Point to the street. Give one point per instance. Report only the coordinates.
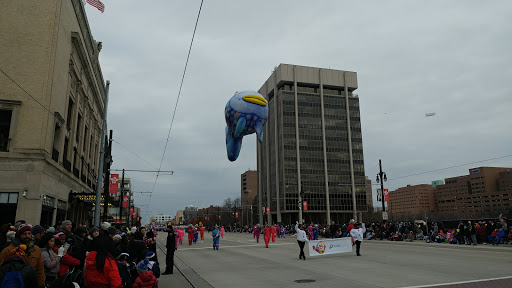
(243, 262)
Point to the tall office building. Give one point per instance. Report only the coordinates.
(312, 149)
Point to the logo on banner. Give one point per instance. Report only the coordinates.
(320, 247)
(386, 195)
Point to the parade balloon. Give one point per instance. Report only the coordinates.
(246, 112)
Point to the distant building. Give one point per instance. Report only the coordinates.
(189, 214)
(485, 193)
(163, 219)
(179, 219)
(312, 144)
(437, 183)
(248, 193)
(411, 202)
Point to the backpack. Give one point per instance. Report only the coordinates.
(12, 279)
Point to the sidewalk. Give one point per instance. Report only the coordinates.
(173, 280)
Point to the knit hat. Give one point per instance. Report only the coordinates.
(142, 266)
(93, 229)
(37, 229)
(112, 230)
(150, 254)
(116, 238)
(65, 223)
(58, 235)
(124, 256)
(105, 225)
(22, 229)
(51, 230)
(18, 223)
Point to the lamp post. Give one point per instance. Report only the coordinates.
(301, 205)
(380, 178)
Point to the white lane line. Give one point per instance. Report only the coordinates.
(461, 282)
(199, 248)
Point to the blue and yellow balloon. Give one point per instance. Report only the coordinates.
(246, 112)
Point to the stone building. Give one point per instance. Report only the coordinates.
(51, 111)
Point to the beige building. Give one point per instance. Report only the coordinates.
(411, 202)
(51, 111)
(248, 193)
(312, 146)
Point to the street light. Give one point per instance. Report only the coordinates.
(380, 178)
(302, 204)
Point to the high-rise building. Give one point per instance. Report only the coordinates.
(411, 202)
(312, 149)
(369, 194)
(248, 192)
(51, 112)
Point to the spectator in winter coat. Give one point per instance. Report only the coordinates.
(146, 278)
(51, 259)
(16, 263)
(100, 266)
(37, 232)
(31, 255)
(125, 270)
(137, 247)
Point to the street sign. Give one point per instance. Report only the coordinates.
(384, 215)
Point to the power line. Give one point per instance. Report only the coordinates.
(134, 154)
(178, 99)
(446, 168)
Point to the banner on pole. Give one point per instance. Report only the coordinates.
(114, 183)
(330, 246)
(125, 201)
(268, 210)
(236, 214)
(386, 195)
(305, 204)
(379, 196)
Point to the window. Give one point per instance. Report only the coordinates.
(77, 131)
(5, 126)
(8, 198)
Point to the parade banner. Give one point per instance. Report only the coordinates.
(330, 246)
(114, 183)
(386, 195)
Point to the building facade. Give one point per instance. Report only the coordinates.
(51, 111)
(313, 144)
(486, 192)
(248, 193)
(369, 194)
(411, 202)
(163, 219)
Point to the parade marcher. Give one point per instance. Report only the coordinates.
(315, 232)
(273, 231)
(146, 278)
(283, 232)
(31, 255)
(257, 233)
(222, 231)
(51, 259)
(196, 235)
(310, 231)
(171, 247)
(216, 237)
(358, 234)
(202, 232)
(266, 235)
(301, 239)
(190, 232)
(101, 269)
(181, 235)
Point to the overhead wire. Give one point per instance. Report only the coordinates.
(178, 98)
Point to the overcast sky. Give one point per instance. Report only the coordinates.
(452, 58)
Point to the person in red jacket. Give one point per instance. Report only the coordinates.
(190, 232)
(274, 233)
(266, 234)
(349, 228)
(100, 266)
(202, 232)
(146, 278)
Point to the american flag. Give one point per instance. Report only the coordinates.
(97, 4)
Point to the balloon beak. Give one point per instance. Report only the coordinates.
(255, 99)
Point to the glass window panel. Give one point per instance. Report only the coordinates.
(13, 198)
(4, 197)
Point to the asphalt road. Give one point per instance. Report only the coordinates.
(241, 262)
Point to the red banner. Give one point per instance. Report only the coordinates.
(114, 183)
(125, 201)
(268, 210)
(132, 212)
(236, 214)
(138, 219)
(219, 217)
(386, 195)
(305, 204)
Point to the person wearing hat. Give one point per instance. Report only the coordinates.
(31, 254)
(153, 265)
(190, 232)
(37, 232)
(124, 270)
(146, 277)
(216, 237)
(266, 234)
(171, 247)
(357, 235)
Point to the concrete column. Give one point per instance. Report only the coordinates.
(324, 142)
(350, 148)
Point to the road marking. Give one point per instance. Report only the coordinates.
(199, 248)
(461, 282)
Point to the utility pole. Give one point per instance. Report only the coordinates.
(382, 177)
(97, 207)
(106, 183)
(121, 199)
